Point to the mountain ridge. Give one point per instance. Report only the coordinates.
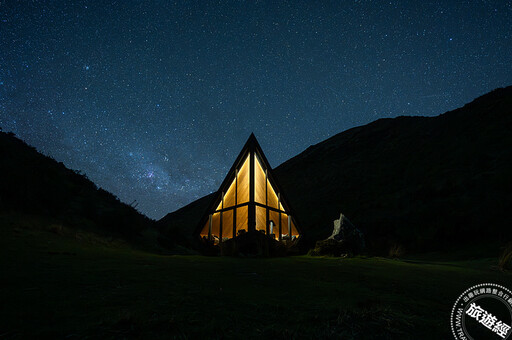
(45, 192)
(387, 175)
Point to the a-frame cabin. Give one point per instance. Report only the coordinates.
(249, 200)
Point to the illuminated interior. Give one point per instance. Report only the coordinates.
(231, 216)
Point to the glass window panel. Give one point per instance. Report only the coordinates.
(259, 182)
(229, 197)
(261, 218)
(274, 217)
(241, 219)
(284, 226)
(272, 196)
(216, 227)
(227, 224)
(243, 182)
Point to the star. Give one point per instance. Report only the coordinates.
(165, 105)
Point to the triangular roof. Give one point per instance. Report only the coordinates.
(257, 163)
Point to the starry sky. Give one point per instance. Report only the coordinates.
(153, 100)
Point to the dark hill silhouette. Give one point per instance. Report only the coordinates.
(422, 183)
(37, 185)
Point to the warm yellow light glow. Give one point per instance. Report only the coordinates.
(295, 232)
(238, 193)
(243, 182)
(229, 197)
(284, 224)
(274, 217)
(259, 182)
(261, 218)
(242, 214)
(227, 224)
(272, 196)
(215, 227)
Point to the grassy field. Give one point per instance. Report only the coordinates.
(59, 284)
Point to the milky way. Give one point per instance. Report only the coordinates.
(154, 99)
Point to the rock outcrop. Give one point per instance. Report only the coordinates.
(346, 240)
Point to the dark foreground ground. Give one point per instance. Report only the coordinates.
(57, 283)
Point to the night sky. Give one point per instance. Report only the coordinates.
(153, 100)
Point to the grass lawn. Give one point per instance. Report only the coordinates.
(55, 286)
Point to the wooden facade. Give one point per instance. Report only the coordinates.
(248, 200)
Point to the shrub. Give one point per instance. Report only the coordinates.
(396, 251)
(330, 247)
